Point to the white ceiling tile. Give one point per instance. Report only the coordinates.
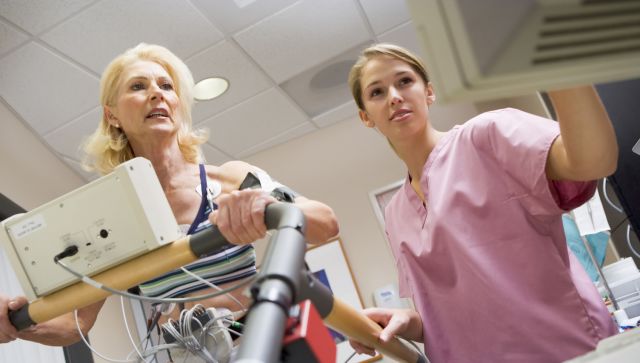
(214, 156)
(232, 16)
(303, 35)
(227, 61)
(343, 112)
(10, 38)
(323, 87)
(404, 36)
(290, 134)
(69, 138)
(44, 89)
(385, 14)
(107, 29)
(260, 118)
(77, 167)
(35, 16)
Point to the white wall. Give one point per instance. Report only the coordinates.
(30, 174)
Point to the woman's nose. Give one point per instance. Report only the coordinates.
(394, 96)
(156, 92)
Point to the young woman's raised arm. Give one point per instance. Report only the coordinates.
(586, 148)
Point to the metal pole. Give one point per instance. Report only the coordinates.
(587, 246)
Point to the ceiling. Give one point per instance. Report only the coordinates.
(286, 62)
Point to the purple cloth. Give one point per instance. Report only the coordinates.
(486, 261)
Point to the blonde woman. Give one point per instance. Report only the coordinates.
(146, 94)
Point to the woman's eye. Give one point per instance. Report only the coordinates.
(406, 80)
(166, 86)
(137, 86)
(375, 92)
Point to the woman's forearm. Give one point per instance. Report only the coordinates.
(322, 224)
(589, 149)
(62, 331)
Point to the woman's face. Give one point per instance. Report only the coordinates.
(395, 97)
(147, 101)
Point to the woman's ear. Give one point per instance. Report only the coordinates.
(110, 117)
(431, 95)
(364, 117)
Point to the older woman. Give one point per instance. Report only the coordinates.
(146, 94)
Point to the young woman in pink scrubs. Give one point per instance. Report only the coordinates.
(476, 230)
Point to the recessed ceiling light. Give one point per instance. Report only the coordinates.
(333, 75)
(210, 88)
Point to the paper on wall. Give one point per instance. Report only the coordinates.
(590, 217)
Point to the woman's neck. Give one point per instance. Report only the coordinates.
(415, 152)
(167, 160)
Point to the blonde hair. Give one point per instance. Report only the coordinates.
(382, 49)
(108, 146)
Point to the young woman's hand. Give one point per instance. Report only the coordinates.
(395, 322)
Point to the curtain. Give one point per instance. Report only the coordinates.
(21, 350)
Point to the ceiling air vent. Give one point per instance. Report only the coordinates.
(497, 48)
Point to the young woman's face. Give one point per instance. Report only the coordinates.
(147, 101)
(395, 97)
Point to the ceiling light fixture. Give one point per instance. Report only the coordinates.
(210, 88)
(333, 75)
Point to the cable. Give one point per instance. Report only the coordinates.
(67, 252)
(231, 331)
(186, 338)
(422, 356)
(606, 197)
(204, 342)
(614, 229)
(75, 315)
(212, 285)
(418, 350)
(635, 252)
(619, 209)
(153, 322)
(158, 348)
(351, 356)
(126, 325)
(86, 279)
(144, 342)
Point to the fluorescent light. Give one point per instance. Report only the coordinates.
(210, 88)
(242, 3)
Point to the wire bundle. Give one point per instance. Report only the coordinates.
(202, 334)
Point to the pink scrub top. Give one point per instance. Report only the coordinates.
(485, 259)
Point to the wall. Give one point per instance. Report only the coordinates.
(31, 173)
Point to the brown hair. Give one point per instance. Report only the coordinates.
(376, 50)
